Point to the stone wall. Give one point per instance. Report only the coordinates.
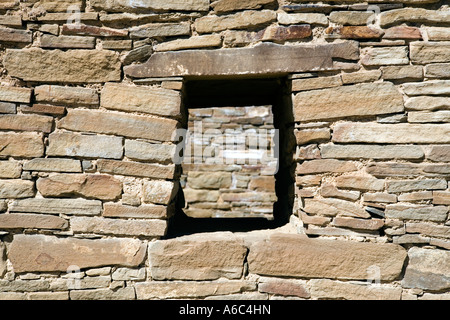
(92, 92)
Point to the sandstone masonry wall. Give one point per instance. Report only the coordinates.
(91, 92)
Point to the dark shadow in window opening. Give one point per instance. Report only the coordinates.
(244, 92)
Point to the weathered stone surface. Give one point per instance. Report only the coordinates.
(32, 221)
(402, 72)
(325, 165)
(362, 224)
(144, 99)
(437, 33)
(363, 183)
(153, 30)
(223, 6)
(399, 16)
(10, 169)
(316, 83)
(127, 274)
(136, 169)
(54, 296)
(284, 287)
(441, 197)
(384, 56)
(127, 6)
(317, 258)
(430, 52)
(428, 229)
(333, 207)
(126, 293)
(194, 258)
(438, 70)
(427, 103)
(353, 32)
(140, 150)
(416, 196)
(309, 18)
(44, 109)
(190, 289)
(72, 66)
(192, 195)
(89, 146)
(316, 220)
(117, 227)
(380, 197)
(22, 145)
(74, 96)
(3, 264)
(53, 165)
(328, 190)
(206, 41)
(8, 107)
(262, 59)
(362, 151)
(101, 187)
(13, 94)
(417, 212)
(360, 77)
(414, 185)
(391, 133)
(87, 30)
(425, 117)
(58, 206)
(327, 289)
(353, 18)
(403, 32)
(339, 102)
(49, 41)
(159, 192)
(433, 87)
(26, 122)
(121, 124)
(39, 253)
(439, 153)
(112, 210)
(427, 269)
(312, 135)
(15, 35)
(32, 285)
(11, 21)
(139, 54)
(241, 20)
(15, 189)
(262, 183)
(117, 44)
(59, 5)
(212, 180)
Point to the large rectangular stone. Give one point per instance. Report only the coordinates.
(439, 153)
(119, 227)
(441, 197)
(438, 70)
(433, 87)
(136, 169)
(409, 15)
(58, 206)
(15, 94)
(10, 169)
(71, 66)
(59, 5)
(223, 6)
(437, 33)
(384, 56)
(309, 18)
(153, 30)
(340, 102)
(144, 99)
(67, 42)
(426, 103)
(89, 146)
(416, 212)
(26, 122)
(324, 166)
(193, 258)
(364, 183)
(73, 96)
(141, 150)
(320, 258)
(88, 30)
(112, 210)
(39, 253)
(127, 6)
(362, 151)
(351, 132)
(15, 35)
(426, 117)
(121, 124)
(32, 221)
(21, 145)
(414, 185)
(428, 229)
(206, 41)
(53, 165)
(107, 294)
(261, 59)
(430, 52)
(15, 189)
(333, 207)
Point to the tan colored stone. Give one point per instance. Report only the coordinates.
(417, 212)
(309, 18)
(322, 258)
(206, 41)
(284, 287)
(439, 153)
(438, 70)
(316, 220)
(58, 206)
(360, 77)
(15, 35)
(26, 122)
(53, 165)
(353, 18)
(363, 183)
(212, 180)
(380, 197)
(88, 30)
(15, 189)
(194, 258)
(73, 96)
(159, 192)
(144, 99)
(371, 152)
(437, 33)
(408, 15)
(59, 5)
(101, 187)
(140, 150)
(312, 135)
(241, 20)
(3, 264)
(22, 145)
(136, 169)
(330, 191)
(72, 66)
(67, 16)
(49, 41)
(112, 210)
(340, 102)
(15, 94)
(126, 293)
(353, 32)
(316, 83)
(192, 195)
(403, 32)
(223, 6)
(362, 224)
(190, 289)
(127, 6)
(119, 227)
(153, 30)
(10, 20)
(414, 185)
(262, 183)
(430, 52)
(333, 207)
(31, 221)
(10, 169)
(433, 87)
(415, 196)
(441, 197)
(428, 229)
(327, 289)
(384, 56)
(39, 253)
(402, 72)
(427, 103)
(121, 124)
(324, 166)
(391, 133)
(426, 117)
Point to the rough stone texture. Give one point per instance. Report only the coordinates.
(160, 30)
(413, 185)
(58, 206)
(417, 212)
(427, 103)
(22, 145)
(121, 124)
(385, 56)
(371, 152)
(136, 169)
(127, 6)
(292, 288)
(427, 269)
(413, 15)
(13, 94)
(191, 43)
(430, 52)
(72, 66)
(26, 122)
(360, 183)
(140, 150)
(32, 221)
(325, 165)
(113, 210)
(49, 41)
(332, 207)
(223, 6)
(372, 99)
(324, 258)
(353, 32)
(194, 258)
(66, 95)
(361, 224)
(159, 192)
(438, 70)
(156, 101)
(39, 253)
(310, 18)
(53, 165)
(433, 87)
(10, 169)
(16, 189)
(261, 59)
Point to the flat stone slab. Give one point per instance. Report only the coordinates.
(262, 59)
(36, 253)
